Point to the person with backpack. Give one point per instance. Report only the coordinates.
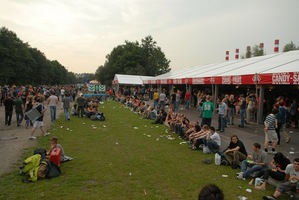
(39, 121)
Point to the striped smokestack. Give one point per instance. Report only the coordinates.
(237, 54)
(276, 46)
(227, 55)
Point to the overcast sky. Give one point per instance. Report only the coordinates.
(80, 33)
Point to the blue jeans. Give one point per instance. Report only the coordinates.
(187, 103)
(53, 113)
(242, 116)
(66, 114)
(231, 116)
(213, 146)
(252, 169)
(221, 122)
(19, 117)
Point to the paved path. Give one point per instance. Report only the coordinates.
(14, 140)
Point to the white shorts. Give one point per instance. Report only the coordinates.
(271, 135)
(38, 124)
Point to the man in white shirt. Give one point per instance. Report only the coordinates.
(291, 184)
(213, 141)
(52, 102)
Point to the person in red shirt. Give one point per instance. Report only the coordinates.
(187, 99)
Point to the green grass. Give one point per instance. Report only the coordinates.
(120, 161)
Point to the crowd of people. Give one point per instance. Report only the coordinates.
(201, 135)
(166, 110)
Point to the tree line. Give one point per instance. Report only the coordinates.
(22, 64)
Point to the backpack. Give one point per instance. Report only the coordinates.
(100, 116)
(41, 152)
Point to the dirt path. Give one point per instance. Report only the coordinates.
(13, 140)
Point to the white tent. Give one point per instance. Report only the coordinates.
(280, 68)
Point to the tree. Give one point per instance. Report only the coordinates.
(257, 51)
(132, 58)
(290, 47)
(21, 64)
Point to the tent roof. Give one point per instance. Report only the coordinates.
(287, 62)
(130, 79)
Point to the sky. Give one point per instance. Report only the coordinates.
(80, 33)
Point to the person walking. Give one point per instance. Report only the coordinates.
(270, 133)
(19, 108)
(39, 121)
(52, 102)
(8, 104)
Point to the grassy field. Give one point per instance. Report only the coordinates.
(125, 157)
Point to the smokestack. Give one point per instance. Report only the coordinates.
(276, 46)
(227, 56)
(237, 54)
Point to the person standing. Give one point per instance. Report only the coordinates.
(242, 104)
(66, 105)
(177, 100)
(231, 109)
(173, 96)
(8, 104)
(282, 120)
(207, 111)
(222, 112)
(80, 102)
(187, 99)
(39, 121)
(19, 108)
(52, 102)
(162, 99)
(156, 98)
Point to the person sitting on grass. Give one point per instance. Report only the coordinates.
(193, 129)
(254, 163)
(236, 152)
(197, 138)
(90, 111)
(213, 141)
(279, 164)
(54, 144)
(160, 117)
(291, 184)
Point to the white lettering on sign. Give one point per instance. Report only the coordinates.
(198, 81)
(237, 80)
(226, 80)
(296, 78)
(281, 78)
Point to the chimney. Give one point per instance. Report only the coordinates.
(262, 46)
(276, 46)
(237, 54)
(227, 56)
